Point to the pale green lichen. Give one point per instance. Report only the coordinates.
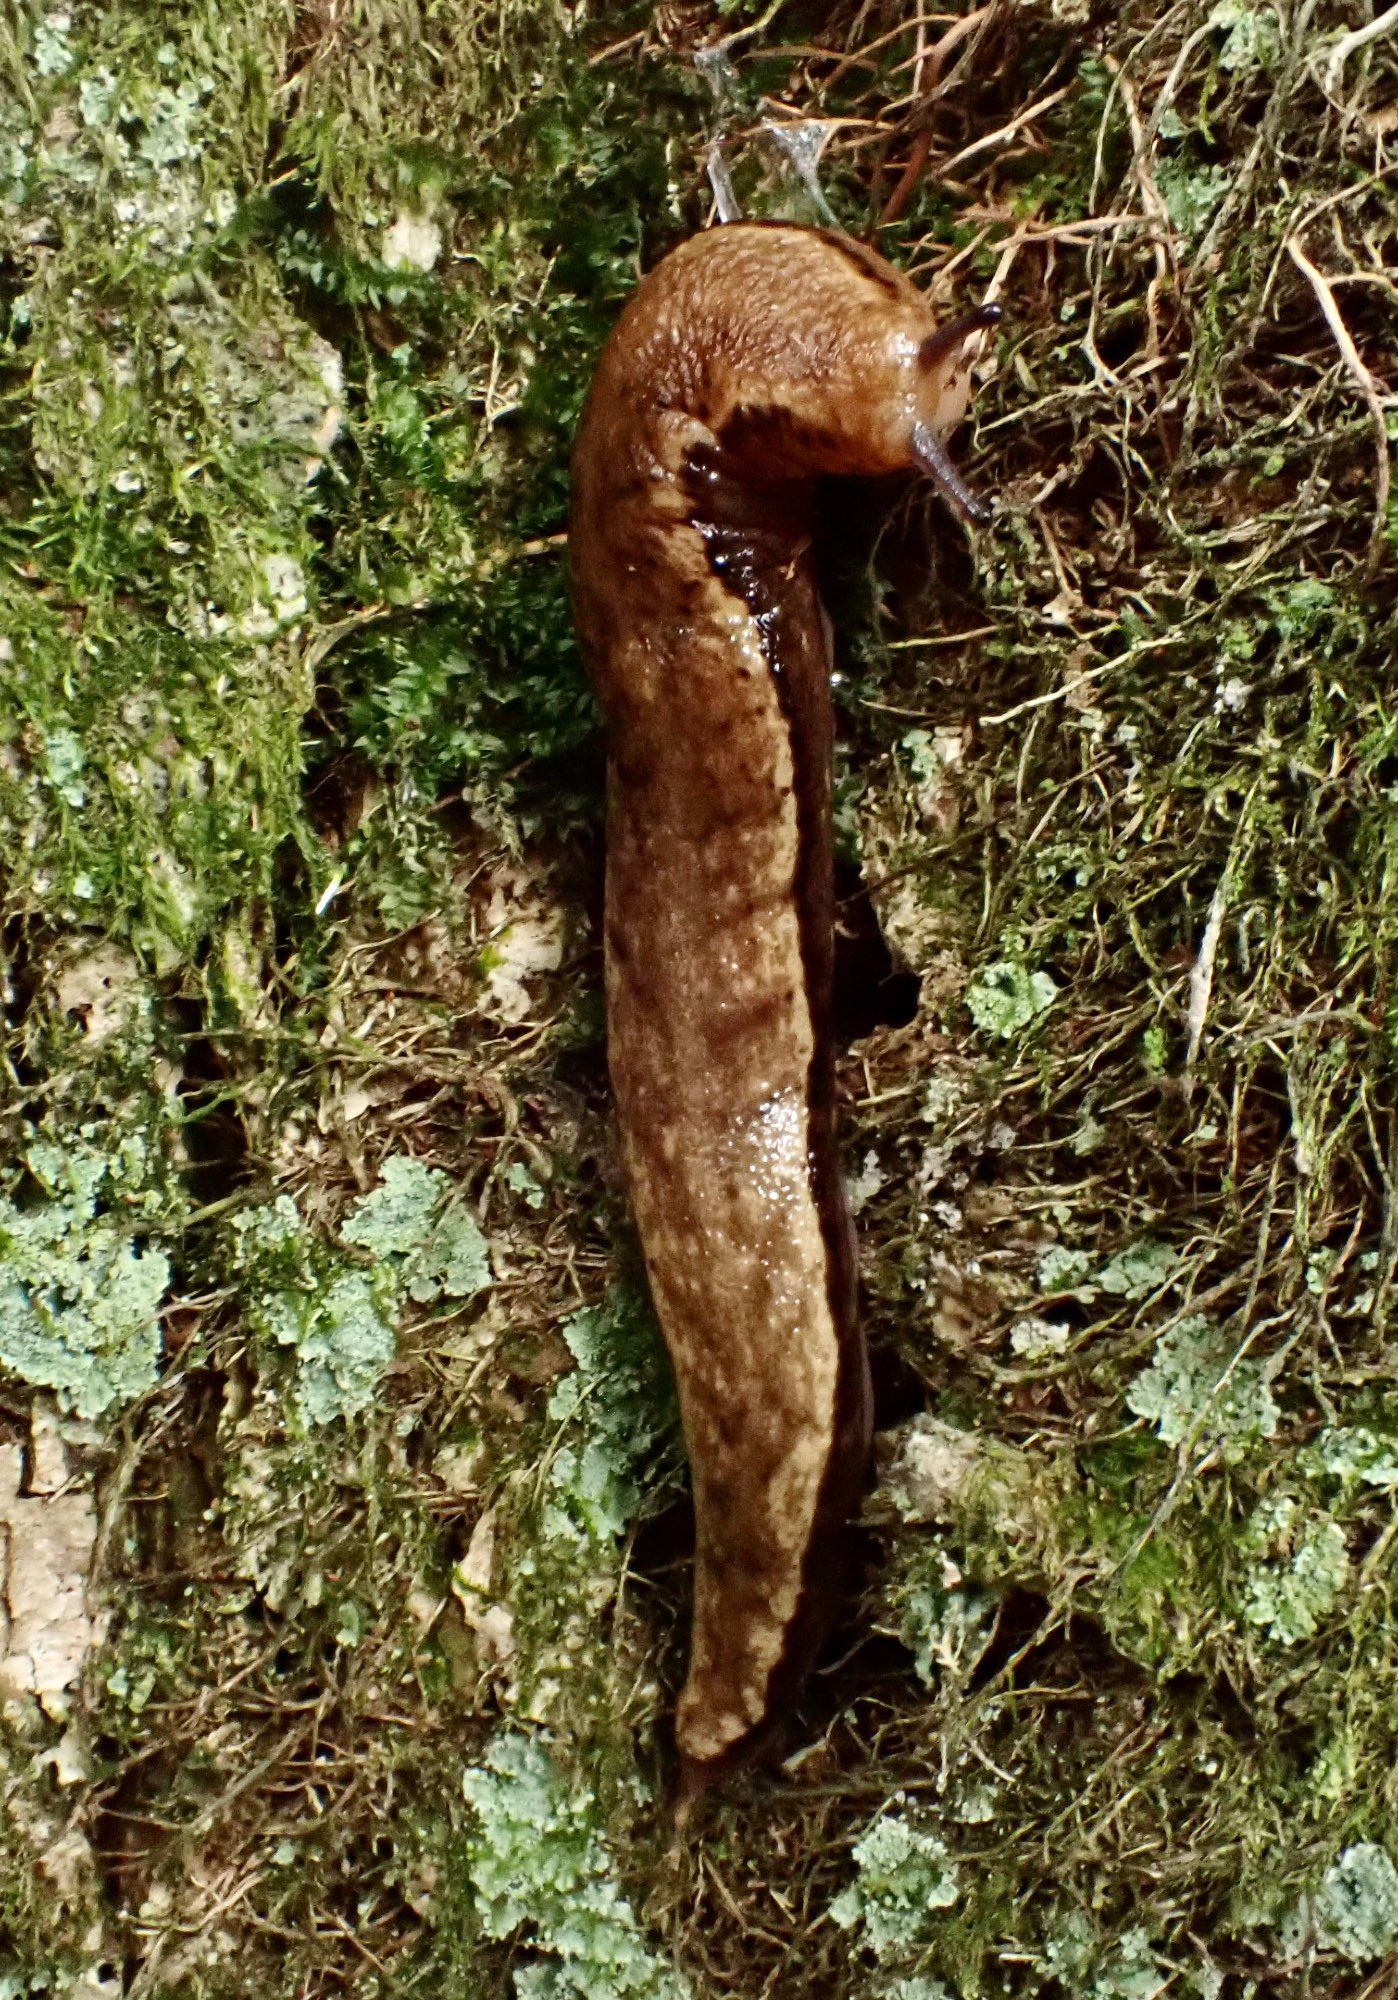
(539, 1864)
(51, 52)
(1191, 190)
(520, 1181)
(1357, 1907)
(338, 1322)
(339, 1319)
(1138, 1269)
(1134, 1271)
(607, 1460)
(395, 1219)
(904, 1875)
(63, 765)
(1086, 1966)
(81, 1284)
(343, 1341)
(1036, 1339)
(1005, 998)
(1252, 35)
(1305, 1566)
(1354, 1911)
(616, 1406)
(433, 1246)
(1065, 1269)
(944, 1620)
(1356, 1454)
(1197, 1388)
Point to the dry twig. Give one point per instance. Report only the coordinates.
(1368, 388)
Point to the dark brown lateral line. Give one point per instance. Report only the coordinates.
(769, 572)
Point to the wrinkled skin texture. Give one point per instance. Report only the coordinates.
(754, 360)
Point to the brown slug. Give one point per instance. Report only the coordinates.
(754, 360)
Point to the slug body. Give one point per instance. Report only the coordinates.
(754, 360)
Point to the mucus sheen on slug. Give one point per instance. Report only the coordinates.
(754, 360)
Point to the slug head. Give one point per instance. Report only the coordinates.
(906, 388)
(945, 359)
(802, 352)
